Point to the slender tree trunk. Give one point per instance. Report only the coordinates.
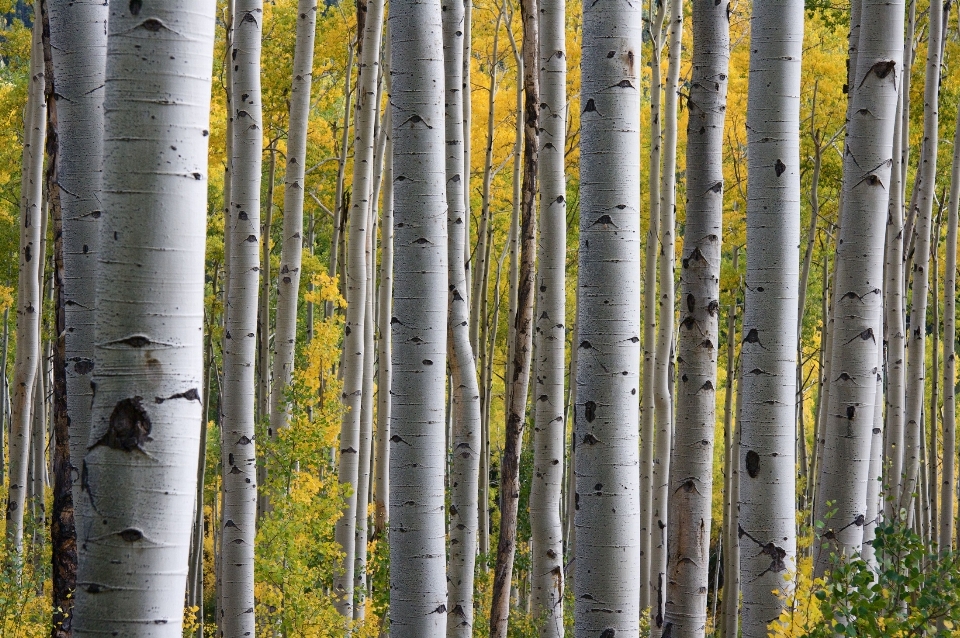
(767, 520)
(467, 101)
(28, 292)
(691, 466)
(647, 416)
(417, 455)
(139, 469)
(236, 616)
(518, 369)
(288, 284)
(513, 234)
(546, 498)
(339, 212)
(894, 328)
(731, 487)
(263, 317)
(356, 285)
(465, 440)
(947, 484)
(858, 277)
(608, 325)
(4, 394)
(926, 181)
(934, 412)
(570, 480)
(664, 362)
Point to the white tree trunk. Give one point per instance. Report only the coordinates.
(417, 451)
(78, 39)
(874, 493)
(28, 291)
(664, 362)
(767, 520)
(947, 487)
(916, 339)
(691, 465)
(236, 616)
(465, 443)
(139, 469)
(647, 422)
(546, 569)
(358, 223)
(288, 284)
(848, 423)
(608, 544)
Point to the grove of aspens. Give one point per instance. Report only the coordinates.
(479, 318)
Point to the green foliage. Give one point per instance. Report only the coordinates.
(908, 592)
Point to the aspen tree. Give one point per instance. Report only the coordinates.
(874, 506)
(418, 590)
(691, 465)
(28, 291)
(546, 569)
(78, 41)
(521, 344)
(647, 422)
(916, 339)
(664, 356)
(608, 545)
(465, 442)
(358, 226)
(236, 615)
(947, 522)
(139, 469)
(767, 438)
(847, 427)
(731, 487)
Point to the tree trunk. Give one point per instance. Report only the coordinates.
(236, 616)
(767, 519)
(356, 286)
(339, 212)
(664, 362)
(691, 466)
(417, 455)
(858, 276)
(647, 422)
(288, 284)
(139, 470)
(731, 486)
(28, 292)
(947, 495)
(608, 547)
(926, 181)
(518, 370)
(546, 544)
(465, 441)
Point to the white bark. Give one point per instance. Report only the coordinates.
(28, 291)
(546, 569)
(767, 520)
(78, 39)
(647, 423)
(417, 451)
(848, 423)
(664, 361)
(139, 469)
(874, 506)
(947, 494)
(358, 226)
(691, 465)
(465, 442)
(608, 544)
(236, 616)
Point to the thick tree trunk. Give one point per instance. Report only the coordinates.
(139, 469)
(358, 222)
(858, 280)
(664, 361)
(647, 415)
(691, 466)
(916, 339)
(947, 487)
(417, 454)
(465, 441)
(238, 523)
(608, 545)
(546, 545)
(518, 369)
(28, 292)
